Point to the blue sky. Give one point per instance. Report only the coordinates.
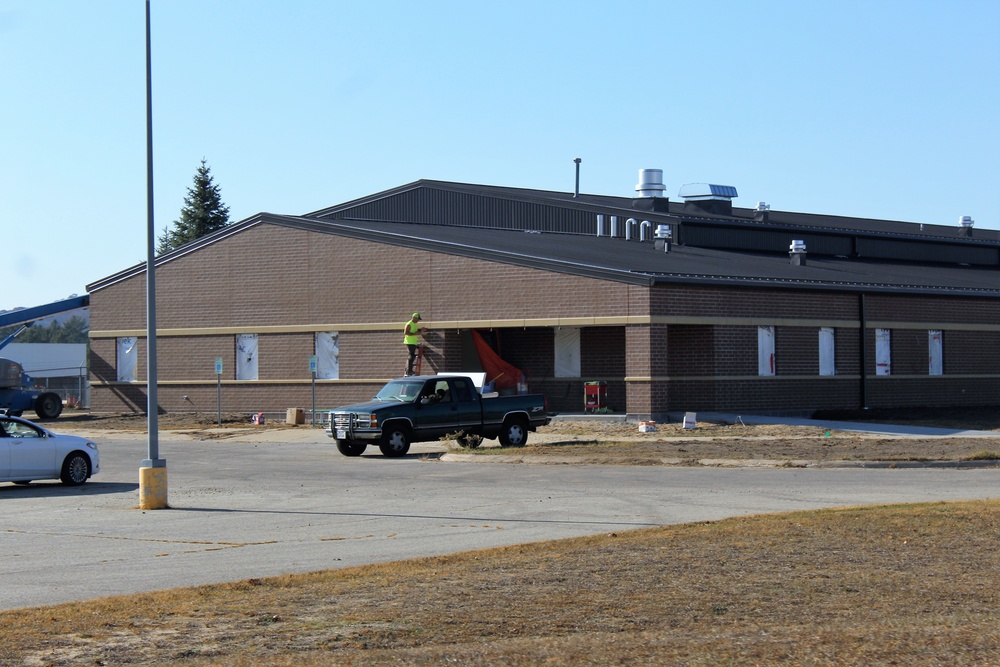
(877, 108)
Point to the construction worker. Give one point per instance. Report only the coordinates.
(411, 338)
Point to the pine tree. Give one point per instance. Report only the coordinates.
(203, 213)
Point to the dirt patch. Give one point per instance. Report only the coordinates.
(617, 443)
(621, 443)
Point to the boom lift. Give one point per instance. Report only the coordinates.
(17, 392)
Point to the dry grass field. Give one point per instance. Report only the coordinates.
(896, 585)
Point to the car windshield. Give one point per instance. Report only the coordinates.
(404, 391)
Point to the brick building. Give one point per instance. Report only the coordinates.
(676, 305)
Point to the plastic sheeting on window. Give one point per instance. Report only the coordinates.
(765, 350)
(935, 352)
(127, 358)
(827, 360)
(883, 354)
(327, 355)
(246, 357)
(567, 352)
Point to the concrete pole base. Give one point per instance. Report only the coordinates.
(152, 488)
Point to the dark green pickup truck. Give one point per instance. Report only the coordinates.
(423, 408)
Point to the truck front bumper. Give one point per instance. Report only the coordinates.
(352, 427)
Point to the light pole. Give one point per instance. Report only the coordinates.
(153, 470)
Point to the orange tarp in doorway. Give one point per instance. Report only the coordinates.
(498, 371)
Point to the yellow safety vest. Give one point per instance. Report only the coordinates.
(410, 336)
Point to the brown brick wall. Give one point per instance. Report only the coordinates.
(698, 301)
(273, 276)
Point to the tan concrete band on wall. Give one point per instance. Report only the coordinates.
(637, 378)
(632, 320)
(811, 378)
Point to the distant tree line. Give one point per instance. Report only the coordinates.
(73, 330)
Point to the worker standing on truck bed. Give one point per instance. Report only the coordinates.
(411, 338)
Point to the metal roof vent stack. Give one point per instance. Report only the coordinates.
(965, 224)
(576, 191)
(708, 198)
(649, 192)
(762, 212)
(662, 237)
(797, 253)
(650, 183)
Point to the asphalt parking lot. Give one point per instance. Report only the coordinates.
(269, 504)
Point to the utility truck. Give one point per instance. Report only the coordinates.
(17, 392)
(426, 407)
(17, 389)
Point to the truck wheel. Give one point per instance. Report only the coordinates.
(514, 433)
(48, 406)
(351, 448)
(75, 470)
(395, 441)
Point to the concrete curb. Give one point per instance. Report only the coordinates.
(453, 457)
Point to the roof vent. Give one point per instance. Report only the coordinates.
(707, 191)
(708, 198)
(662, 237)
(650, 183)
(965, 224)
(762, 212)
(797, 253)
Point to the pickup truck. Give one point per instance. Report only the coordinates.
(423, 408)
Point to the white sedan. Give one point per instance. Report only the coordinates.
(29, 452)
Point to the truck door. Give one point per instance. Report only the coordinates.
(437, 412)
(470, 413)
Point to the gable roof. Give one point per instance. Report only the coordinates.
(556, 231)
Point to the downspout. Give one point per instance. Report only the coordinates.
(863, 356)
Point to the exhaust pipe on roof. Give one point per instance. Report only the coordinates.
(797, 253)
(662, 237)
(965, 224)
(629, 225)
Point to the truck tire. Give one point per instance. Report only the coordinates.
(75, 469)
(48, 406)
(514, 433)
(395, 441)
(348, 448)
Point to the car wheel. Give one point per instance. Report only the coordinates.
(48, 406)
(514, 433)
(75, 470)
(348, 448)
(395, 441)
(469, 440)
